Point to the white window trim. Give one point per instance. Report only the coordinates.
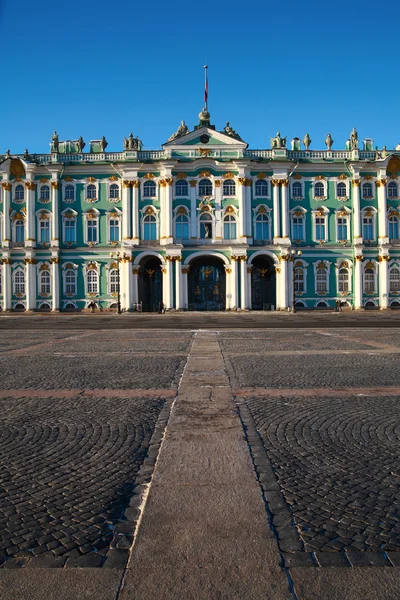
(372, 182)
(230, 179)
(301, 182)
(91, 213)
(325, 184)
(40, 216)
(147, 198)
(327, 266)
(39, 192)
(178, 214)
(266, 180)
(1, 228)
(375, 267)
(292, 216)
(387, 190)
(39, 271)
(339, 215)
(347, 185)
(304, 266)
(155, 214)
(64, 185)
(16, 269)
(374, 212)
(68, 266)
(315, 214)
(92, 265)
(349, 267)
(113, 266)
(86, 185)
(393, 264)
(14, 187)
(109, 184)
(65, 219)
(212, 215)
(13, 228)
(188, 188)
(233, 214)
(256, 212)
(212, 195)
(114, 213)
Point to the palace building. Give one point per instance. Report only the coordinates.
(202, 224)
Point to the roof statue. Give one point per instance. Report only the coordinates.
(307, 141)
(26, 154)
(54, 142)
(103, 144)
(80, 144)
(329, 141)
(182, 130)
(278, 141)
(132, 143)
(353, 139)
(228, 130)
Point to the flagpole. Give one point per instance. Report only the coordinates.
(205, 88)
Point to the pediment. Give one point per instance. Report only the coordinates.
(215, 139)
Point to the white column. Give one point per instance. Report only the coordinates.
(162, 213)
(126, 283)
(284, 281)
(357, 236)
(249, 269)
(55, 283)
(357, 282)
(126, 210)
(169, 238)
(383, 282)
(276, 184)
(135, 211)
(242, 209)
(234, 283)
(55, 234)
(184, 287)
(30, 236)
(382, 208)
(167, 284)
(193, 211)
(7, 284)
(30, 284)
(218, 209)
(178, 283)
(285, 208)
(6, 212)
(248, 220)
(135, 284)
(243, 283)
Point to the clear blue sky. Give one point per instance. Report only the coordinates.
(96, 67)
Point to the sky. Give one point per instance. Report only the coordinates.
(93, 67)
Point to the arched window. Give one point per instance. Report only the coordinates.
(19, 231)
(45, 282)
(182, 227)
(229, 227)
(45, 192)
(19, 282)
(393, 190)
(114, 190)
(149, 227)
(114, 281)
(92, 282)
(205, 226)
(369, 280)
(262, 227)
(367, 190)
(322, 279)
(69, 192)
(394, 279)
(70, 281)
(205, 187)
(261, 187)
(114, 229)
(149, 189)
(19, 192)
(393, 228)
(299, 279)
(229, 187)
(297, 190)
(181, 188)
(341, 191)
(44, 231)
(343, 283)
(319, 190)
(91, 191)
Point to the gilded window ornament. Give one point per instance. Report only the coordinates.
(342, 176)
(229, 175)
(149, 176)
(91, 179)
(181, 211)
(262, 175)
(68, 178)
(181, 175)
(149, 211)
(319, 178)
(205, 174)
(113, 178)
(192, 183)
(297, 176)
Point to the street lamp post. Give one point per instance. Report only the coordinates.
(292, 257)
(118, 257)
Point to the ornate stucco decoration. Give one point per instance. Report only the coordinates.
(356, 182)
(320, 178)
(217, 182)
(169, 181)
(149, 176)
(205, 174)
(229, 175)
(30, 185)
(6, 186)
(182, 130)
(192, 183)
(113, 178)
(342, 176)
(181, 175)
(297, 176)
(204, 151)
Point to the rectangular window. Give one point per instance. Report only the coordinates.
(298, 228)
(44, 231)
(368, 228)
(342, 228)
(114, 230)
(320, 229)
(70, 231)
(369, 281)
(92, 230)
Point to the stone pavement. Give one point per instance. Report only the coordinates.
(275, 474)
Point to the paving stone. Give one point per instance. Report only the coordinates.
(367, 559)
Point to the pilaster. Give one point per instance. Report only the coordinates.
(243, 284)
(357, 235)
(242, 209)
(135, 211)
(126, 283)
(193, 211)
(285, 208)
(249, 270)
(358, 281)
(55, 234)
(218, 210)
(30, 273)
(126, 210)
(382, 208)
(30, 235)
(284, 283)
(276, 216)
(234, 283)
(135, 284)
(6, 214)
(55, 283)
(7, 283)
(184, 287)
(383, 281)
(247, 216)
(178, 283)
(168, 287)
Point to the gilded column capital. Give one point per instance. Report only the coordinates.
(217, 182)
(249, 182)
(135, 183)
(228, 270)
(356, 182)
(284, 182)
(30, 261)
(6, 186)
(30, 185)
(54, 185)
(54, 260)
(135, 270)
(242, 180)
(284, 257)
(276, 182)
(193, 183)
(358, 257)
(185, 270)
(6, 261)
(169, 181)
(164, 270)
(127, 184)
(162, 182)
(381, 182)
(249, 269)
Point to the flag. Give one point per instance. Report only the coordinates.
(206, 87)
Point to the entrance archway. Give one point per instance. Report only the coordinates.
(207, 284)
(150, 283)
(263, 283)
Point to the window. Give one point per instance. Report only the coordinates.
(92, 281)
(182, 227)
(70, 231)
(261, 187)
(44, 231)
(92, 230)
(262, 227)
(229, 187)
(299, 279)
(319, 190)
(229, 227)
(91, 191)
(69, 192)
(149, 189)
(392, 190)
(181, 188)
(70, 282)
(342, 228)
(205, 226)
(150, 227)
(114, 190)
(19, 231)
(297, 190)
(368, 228)
(369, 280)
(114, 281)
(298, 227)
(341, 190)
(393, 228)
(343, 283)
(322, 279)
(45, 192)
(19, 282)
(320, 227)
(205, 187)
(19, 192)
(394, 279)
(45, 282)
(114, 229)
(367, 190)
